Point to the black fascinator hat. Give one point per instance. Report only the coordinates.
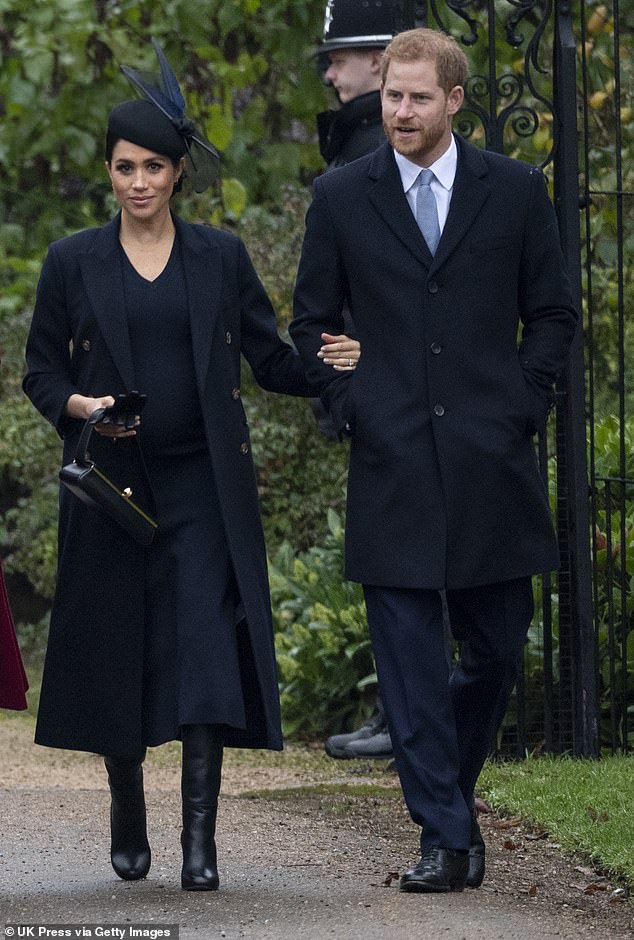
(141, 123)
(170, 131)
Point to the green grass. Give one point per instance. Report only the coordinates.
(585, 806)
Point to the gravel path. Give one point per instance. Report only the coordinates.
(296, 864)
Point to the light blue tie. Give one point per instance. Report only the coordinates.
(426, 211)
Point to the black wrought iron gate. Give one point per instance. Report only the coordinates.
(551, 83)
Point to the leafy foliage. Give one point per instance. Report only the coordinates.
(300, 472)
(29, 448)
(606, 79)
(613, 547)
(322, 641)
(244, 68)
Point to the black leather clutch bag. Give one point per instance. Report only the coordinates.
(90, 484)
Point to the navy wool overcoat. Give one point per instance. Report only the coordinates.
(458, 356)
(91, 691)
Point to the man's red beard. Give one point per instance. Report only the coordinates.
(419, 142)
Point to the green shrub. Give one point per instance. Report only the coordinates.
(300, 472)
(322, 642)
(614, 563)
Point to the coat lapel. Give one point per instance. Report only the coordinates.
(202, 264)
(390, 201)
(470, 192)
(101, 273)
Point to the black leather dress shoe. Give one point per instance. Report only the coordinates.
(438, 870)
(477, 852)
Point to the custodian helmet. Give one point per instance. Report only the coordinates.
(360, 24)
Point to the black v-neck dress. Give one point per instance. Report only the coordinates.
(192, 670)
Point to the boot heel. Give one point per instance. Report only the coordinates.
(200, 870)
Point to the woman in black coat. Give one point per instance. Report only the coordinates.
(174, 640)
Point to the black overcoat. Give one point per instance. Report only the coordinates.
(444, 489)
(353, 130)
(78, 342)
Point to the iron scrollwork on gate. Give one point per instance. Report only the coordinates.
(508, 99)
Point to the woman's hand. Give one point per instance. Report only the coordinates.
(82, 406)
(340, 352)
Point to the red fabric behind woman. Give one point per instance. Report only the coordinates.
(13, 681)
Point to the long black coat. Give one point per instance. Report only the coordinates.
(91, 691)
(444, 488)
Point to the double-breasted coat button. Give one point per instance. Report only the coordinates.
(86, 345)
(436, 348)
(244, 448)
(439, 411)
(228, 338)
(432, 287)
(235, 393)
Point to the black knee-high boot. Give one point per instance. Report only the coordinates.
(202, 765)
(130, 850)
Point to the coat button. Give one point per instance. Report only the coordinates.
(439, 410)
(432, 287)
(86, 345)
(235, 393)
(436, 348)
(244, 448)
(228, 338)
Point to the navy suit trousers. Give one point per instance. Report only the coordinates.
(442, 719)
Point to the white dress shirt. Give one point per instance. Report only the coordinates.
(444, 170)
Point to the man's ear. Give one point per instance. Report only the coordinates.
(455, 99)
(375, 61)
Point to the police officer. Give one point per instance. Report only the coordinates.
(349, 58)
(355, 34)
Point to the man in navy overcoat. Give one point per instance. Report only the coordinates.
(465, 317)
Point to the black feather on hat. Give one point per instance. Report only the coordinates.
(159, 122)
